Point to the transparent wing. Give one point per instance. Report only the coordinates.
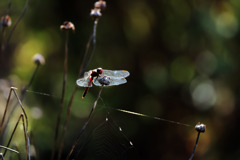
(87, 74)
(116, 73)
(114, 81)
(83, 82)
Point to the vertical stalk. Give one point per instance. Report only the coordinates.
(63, 95)
(4, 115)
(81, 71)
(18, 20)
(23, 92)
(93, 47)
(26, 118)
(86, 123)
(30, 82)
(2, 41)
(194, 149)
(9, 6)
(66, 123)
(21, 117)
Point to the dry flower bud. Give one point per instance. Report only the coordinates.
(39, 59)
(67, 25)
(95, 13)
(200, 127)
(100, 5)
(6, 21)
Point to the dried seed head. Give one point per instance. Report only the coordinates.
(104, 80)
(95, 13)
(6, 21)
(100, 5)
(200, 127)
(38, 59)
(67, 25)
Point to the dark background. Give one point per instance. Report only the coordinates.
(183, 57)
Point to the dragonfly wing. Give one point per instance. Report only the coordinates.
(96, 83)
(114, 81)
(87, 74)
(83, 82)
(116, 73)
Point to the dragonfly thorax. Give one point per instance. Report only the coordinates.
(96, 72)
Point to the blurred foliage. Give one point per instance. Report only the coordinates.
(182, 56)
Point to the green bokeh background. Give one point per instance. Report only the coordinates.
(183, 57)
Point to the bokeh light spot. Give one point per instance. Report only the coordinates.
(36, 113)
(204, 95)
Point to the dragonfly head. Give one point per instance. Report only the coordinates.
(99, 70)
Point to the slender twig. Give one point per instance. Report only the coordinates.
(8, 8)
(23, 92)
(30, 82)
(93, 46)
(85, 56)
(26, 118)
(200, 128)
(81, 71)
(4, 115)
(2, 40)
(85, 125)
(18, 20)
(194, 149)
(65, 124)
(63, 95)
(12, 150)
(3, 27)
(21, 117)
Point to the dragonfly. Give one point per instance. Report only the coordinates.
(102, 77)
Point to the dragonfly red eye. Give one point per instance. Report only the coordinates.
(99, 70)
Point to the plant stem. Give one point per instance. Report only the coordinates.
(21, 117)
(4, 115)
(9, 6)
(93, 47)
(12, 150)
(26, 118)
(23, 92)
(66, 123)
(81, 71)
(2, 41)
(195, 146)
(18, 20)
(30, 82)
(85, 125)
(63, 95)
